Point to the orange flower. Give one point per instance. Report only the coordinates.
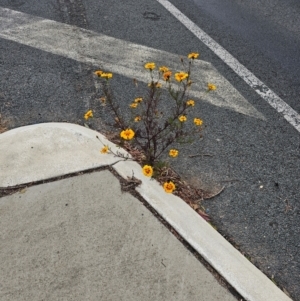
(169, 187)
(180, 76)
(147, 170)
(167, 75)
(105, 149)
(138, 99)
(98, 73)
(190, 103)
(127, 134)
(211, 87)
(150, 66)
(182, 118)
(173, 153)
(163, 69)
(88, 114)
(198, 121)
(133, 105)
(193, 55)
(106, 75)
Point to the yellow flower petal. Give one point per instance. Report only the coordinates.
(173, 153)
(88, 114)
(133, 105)
(127, 134)
(180, 76)
(150, 66)
(167, 75)
(211, 87)
(182, 118)
(98, 73)
(169, 187)
(190, 103)
(147, 170)
(138, 99)
(105, 149)
(198, 121)
(163, 69)
(106, 75)
(193, 55)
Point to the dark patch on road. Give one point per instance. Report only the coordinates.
(151, 15)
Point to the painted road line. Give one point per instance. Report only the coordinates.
(260, 88)
(115, 55)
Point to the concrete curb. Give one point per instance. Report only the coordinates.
(75, 148)
(47, 150)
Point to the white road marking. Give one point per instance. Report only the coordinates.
(260, 88)
(116, 55)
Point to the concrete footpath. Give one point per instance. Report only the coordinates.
(82, 238)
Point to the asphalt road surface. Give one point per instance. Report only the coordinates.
(253, 150)
(263, 35)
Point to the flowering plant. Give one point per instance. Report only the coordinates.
(151, 129)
